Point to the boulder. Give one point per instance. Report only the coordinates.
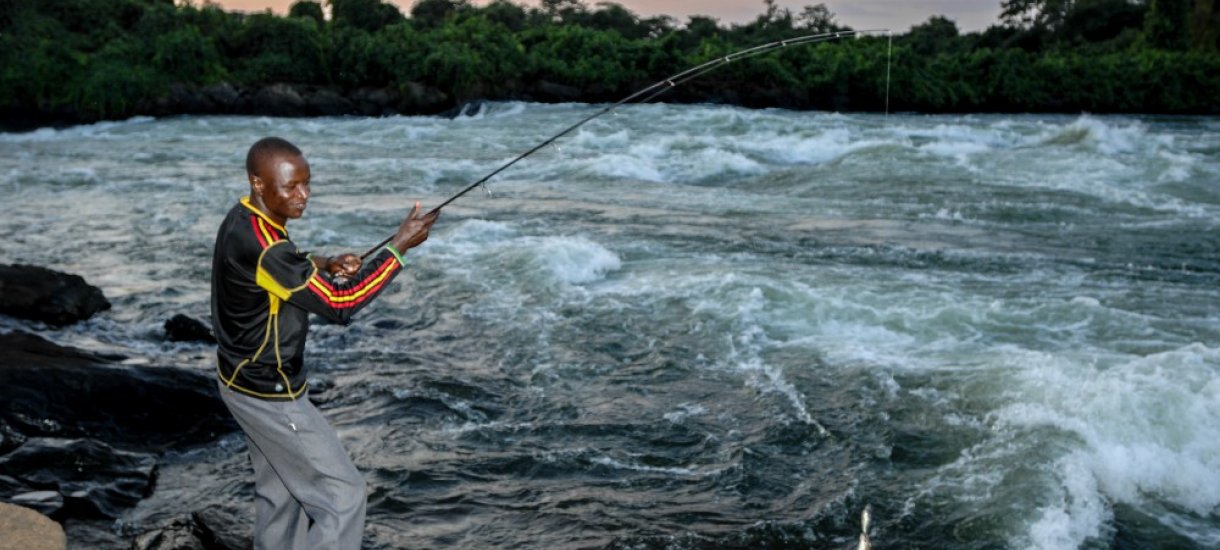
(555, 93)
(40, 294)
(224, 97)
(95, 479)
(26, 529)
(45, 502)
(224, 528)
(179, 534)
(328, 102)
(181, 328)
(47, 390)
(279, 100)
(418, 98)
(374, 101)
(213, 528)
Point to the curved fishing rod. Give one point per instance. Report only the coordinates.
(648, 93)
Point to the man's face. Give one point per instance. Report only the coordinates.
(282, 183)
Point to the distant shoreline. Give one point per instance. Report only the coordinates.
(304, 100)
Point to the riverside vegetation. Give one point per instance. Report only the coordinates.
(68, 61)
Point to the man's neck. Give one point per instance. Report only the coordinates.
(253, 201)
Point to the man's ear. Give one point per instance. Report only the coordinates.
(256, 184)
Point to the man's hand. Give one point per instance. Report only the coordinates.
(414, 230)
(345, 266)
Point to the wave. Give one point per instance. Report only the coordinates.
(94, 130)
(1108, 138)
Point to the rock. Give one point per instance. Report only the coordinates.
(9, 438)
(224, 528)
(279, 100)
(95, 479)
(45, 502)
(179, 534)
(214, 528)
(328, 102)
(25, 529)
(225, 98)
(40, 294)
(374, 101)
(181, 328)
(10, 487)
(418, 98)
(552, 92)
(51, 390)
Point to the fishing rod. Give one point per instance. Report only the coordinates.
(649, 93)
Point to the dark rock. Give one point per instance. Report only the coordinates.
(10, 486)
(223, 528)
(328, 102)
(40, 294)
(181, 328)
(95, 479)
(224, 96)
(375, 101)
(214, 528)
(47, 389)
(279, 100)
(418, 98)
(45, 502)
(9, 438)
(552, 92)
(179, 534)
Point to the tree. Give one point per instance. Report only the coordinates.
(934, 36)
(816, 18)
(433, 13)
(1038, 14)
(701, 27)
(506, 13)
(1205, 27)
(611, 16)
(566, 11)
(308, 10)
(1165, 24)
(370, 15)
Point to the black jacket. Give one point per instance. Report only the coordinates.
(263, 290)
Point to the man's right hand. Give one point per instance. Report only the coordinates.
(414, 230)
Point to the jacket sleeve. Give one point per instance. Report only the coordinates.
(290, 275)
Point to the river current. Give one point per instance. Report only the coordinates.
(702, 326)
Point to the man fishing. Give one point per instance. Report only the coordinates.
(307, 491)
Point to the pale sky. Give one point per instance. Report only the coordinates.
(896, 15)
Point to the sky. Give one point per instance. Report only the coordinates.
(896, 15)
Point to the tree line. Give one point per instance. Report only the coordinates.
(95, 59)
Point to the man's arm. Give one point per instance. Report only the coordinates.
(311, 283)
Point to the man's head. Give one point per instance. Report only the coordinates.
(279, 179)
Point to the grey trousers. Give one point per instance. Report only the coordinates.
(307, 492)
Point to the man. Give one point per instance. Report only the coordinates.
(307, 492)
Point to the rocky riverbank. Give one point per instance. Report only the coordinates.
(305, 100)
(290, 100)
(83, 435)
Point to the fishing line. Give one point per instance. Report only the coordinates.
(651, 92)
(889, 57)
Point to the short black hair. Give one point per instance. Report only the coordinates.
(266, 148)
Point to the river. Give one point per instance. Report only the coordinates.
(703, 326)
